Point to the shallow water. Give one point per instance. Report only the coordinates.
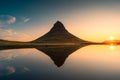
(93, 62)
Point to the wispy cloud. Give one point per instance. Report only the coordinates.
(7, 19)
(25, 19)
(8, 55)
(1, 22)
(10, 70)
(10, 34)
(5, 69)
(11, 19)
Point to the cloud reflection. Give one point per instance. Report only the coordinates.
(11, 54)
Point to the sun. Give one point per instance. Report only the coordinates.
(111, 38)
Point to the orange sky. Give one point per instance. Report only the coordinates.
(95, 25)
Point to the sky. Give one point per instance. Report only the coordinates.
(91, 20)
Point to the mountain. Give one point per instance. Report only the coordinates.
(58, 34)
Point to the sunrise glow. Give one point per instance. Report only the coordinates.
(93, 23)
(111, 38)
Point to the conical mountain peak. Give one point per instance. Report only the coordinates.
(58, 27)
(58, 22)
(58, 34)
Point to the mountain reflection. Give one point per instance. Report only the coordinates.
(57, 53)
(60, 53)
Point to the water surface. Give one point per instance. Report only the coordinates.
(92, 62)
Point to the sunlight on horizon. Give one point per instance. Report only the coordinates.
(111, 38)
(94, 23)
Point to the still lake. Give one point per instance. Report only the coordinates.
(91, 62)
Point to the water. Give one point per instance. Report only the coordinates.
(92, 62)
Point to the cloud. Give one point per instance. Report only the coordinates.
(11, 19)
(1, 22)
(10, 70)
(5, 69)
(25, 19)
(7, 19)
(25, 69)
(9, 34)
(8, 55)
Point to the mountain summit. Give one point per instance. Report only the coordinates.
(58, 34)
(58, 27)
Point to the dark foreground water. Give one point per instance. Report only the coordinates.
(93, 62)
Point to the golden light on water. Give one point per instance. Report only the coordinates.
(112, 47)
(112, 43)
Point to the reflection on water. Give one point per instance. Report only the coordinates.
(59, 54)
(112, 46)
(90, 62)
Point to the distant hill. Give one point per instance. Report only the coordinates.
(58, 34)
(112, 42)
(4, 41)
